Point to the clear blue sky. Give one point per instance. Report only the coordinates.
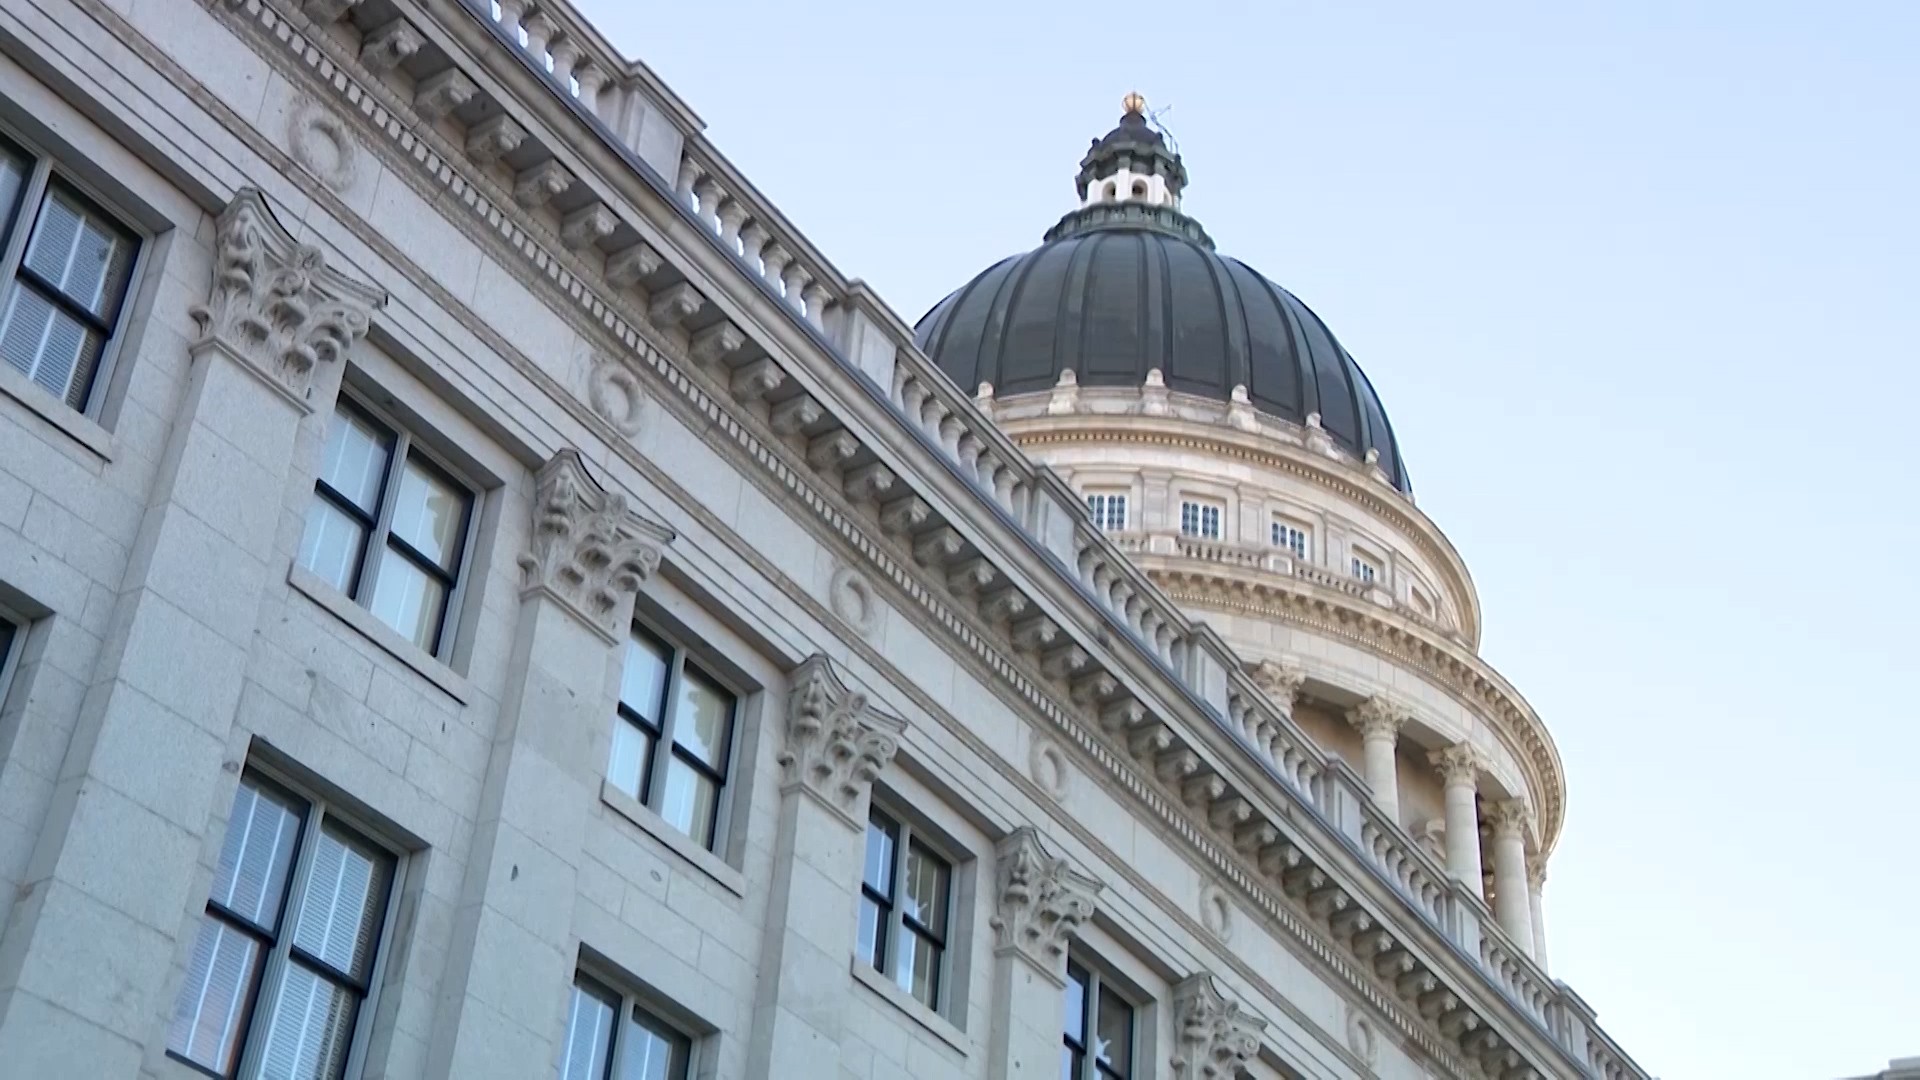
(1637, 282)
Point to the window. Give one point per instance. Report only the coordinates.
(1421, 604)
(906, 893)
(1364, 569)
(1098, 1041)
(610, 1037)
(13, 637)
(388, 526)
(1139, 189)
(1290, 536)
(1200, 519)
(67, 266)
(666, 700)
(284, 959)
(1109, 511)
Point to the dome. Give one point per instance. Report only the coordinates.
(1128, 284)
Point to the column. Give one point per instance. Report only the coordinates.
(835, 745)
(1536, 889)
(513, 950)
(1379, 721)
(1512, 905)
(1459, 769)
(87, 955)
(1213, 1036)
(1040, 901)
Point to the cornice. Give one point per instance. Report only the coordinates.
(1176, 433)
(743, 433)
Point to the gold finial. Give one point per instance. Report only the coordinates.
(1134, 104)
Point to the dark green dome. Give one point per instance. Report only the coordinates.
(1115, 292)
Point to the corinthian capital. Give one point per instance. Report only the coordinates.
(589, 550)
(1041, 900)
(1281, 682)
(836, 742)
(274, 302)
(1216, 1037)
(1508, 817)
(1378, 717)
(1459, 764)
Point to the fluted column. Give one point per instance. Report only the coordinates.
(1536, 908)
(1040, 901)
(1379, 721)
(1511, 903)
(1459, 769)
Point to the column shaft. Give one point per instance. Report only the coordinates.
(1460, 769)
(1511, 904)
(1536, 885)
(1381, 771)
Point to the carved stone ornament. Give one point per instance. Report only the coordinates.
(589, 551)
(1039, 903)
(616, 394)
(1280, 681)
(1214, 1039)
(836, 742)
(275, 303)
(1459, 764)
(1378, 717)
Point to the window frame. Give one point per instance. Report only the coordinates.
(316, 811)
(654, 769)
(686, 1045)
(46, 174)
(1281, 528)
(895, 922)
(1202, 509)
(12, 648)
(1102, 511)
(1097, 982)
(1365, 568)
(380, 539)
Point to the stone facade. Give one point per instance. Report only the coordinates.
(481, 477)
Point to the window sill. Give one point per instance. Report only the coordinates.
(423, 663)
(74, 425)
(651, 823)
(939, 1025)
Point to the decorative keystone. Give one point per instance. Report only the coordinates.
(1215, 1037)
(1459, 764)
(1040, 903)
(1378, 718)
(275, 303)
(590, 552)
(836, 742)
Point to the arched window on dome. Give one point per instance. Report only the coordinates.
(1139, 189)
(1108, 191)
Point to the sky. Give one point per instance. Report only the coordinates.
(1637, 282)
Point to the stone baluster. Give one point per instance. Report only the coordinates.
(566, 54)
(753, 240)
(732, 216)
(775, 258)
(593, 80)
(512, 14)
(539, 30)
(1511, 904)
(1379, 722)
(795, 279)
(815, 296)
(690, 174)
(709, 193)
(1459, 767)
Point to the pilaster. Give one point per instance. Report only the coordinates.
(513, 953)
(835, 745)
(119, 856)
(1214, 1038)
(1040, 902)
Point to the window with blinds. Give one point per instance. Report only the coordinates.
(1290, 536)
(672, 736)
(67, 266)
(1097, 1041)
(906, 894)
(610, 1036)
(1200, 519)
(1108, 510)
(283, 961)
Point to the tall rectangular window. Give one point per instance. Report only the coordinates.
(67, 266)
(1098, 1040)
(283, 962)
(613, 1037)
(673, 736)
(1290, 536)
(906, 897)
(1200, 519)
(388, 526)
(1108, 510)
(13, 638)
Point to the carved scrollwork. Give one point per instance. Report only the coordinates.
(836, 742)
(589, 550)
(615, 392)
(1216, 1038)
(1040, 903)
(274, 301)
(1378, 717)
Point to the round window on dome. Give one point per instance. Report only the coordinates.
(1139, 189)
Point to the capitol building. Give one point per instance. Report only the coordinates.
(483, 596)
